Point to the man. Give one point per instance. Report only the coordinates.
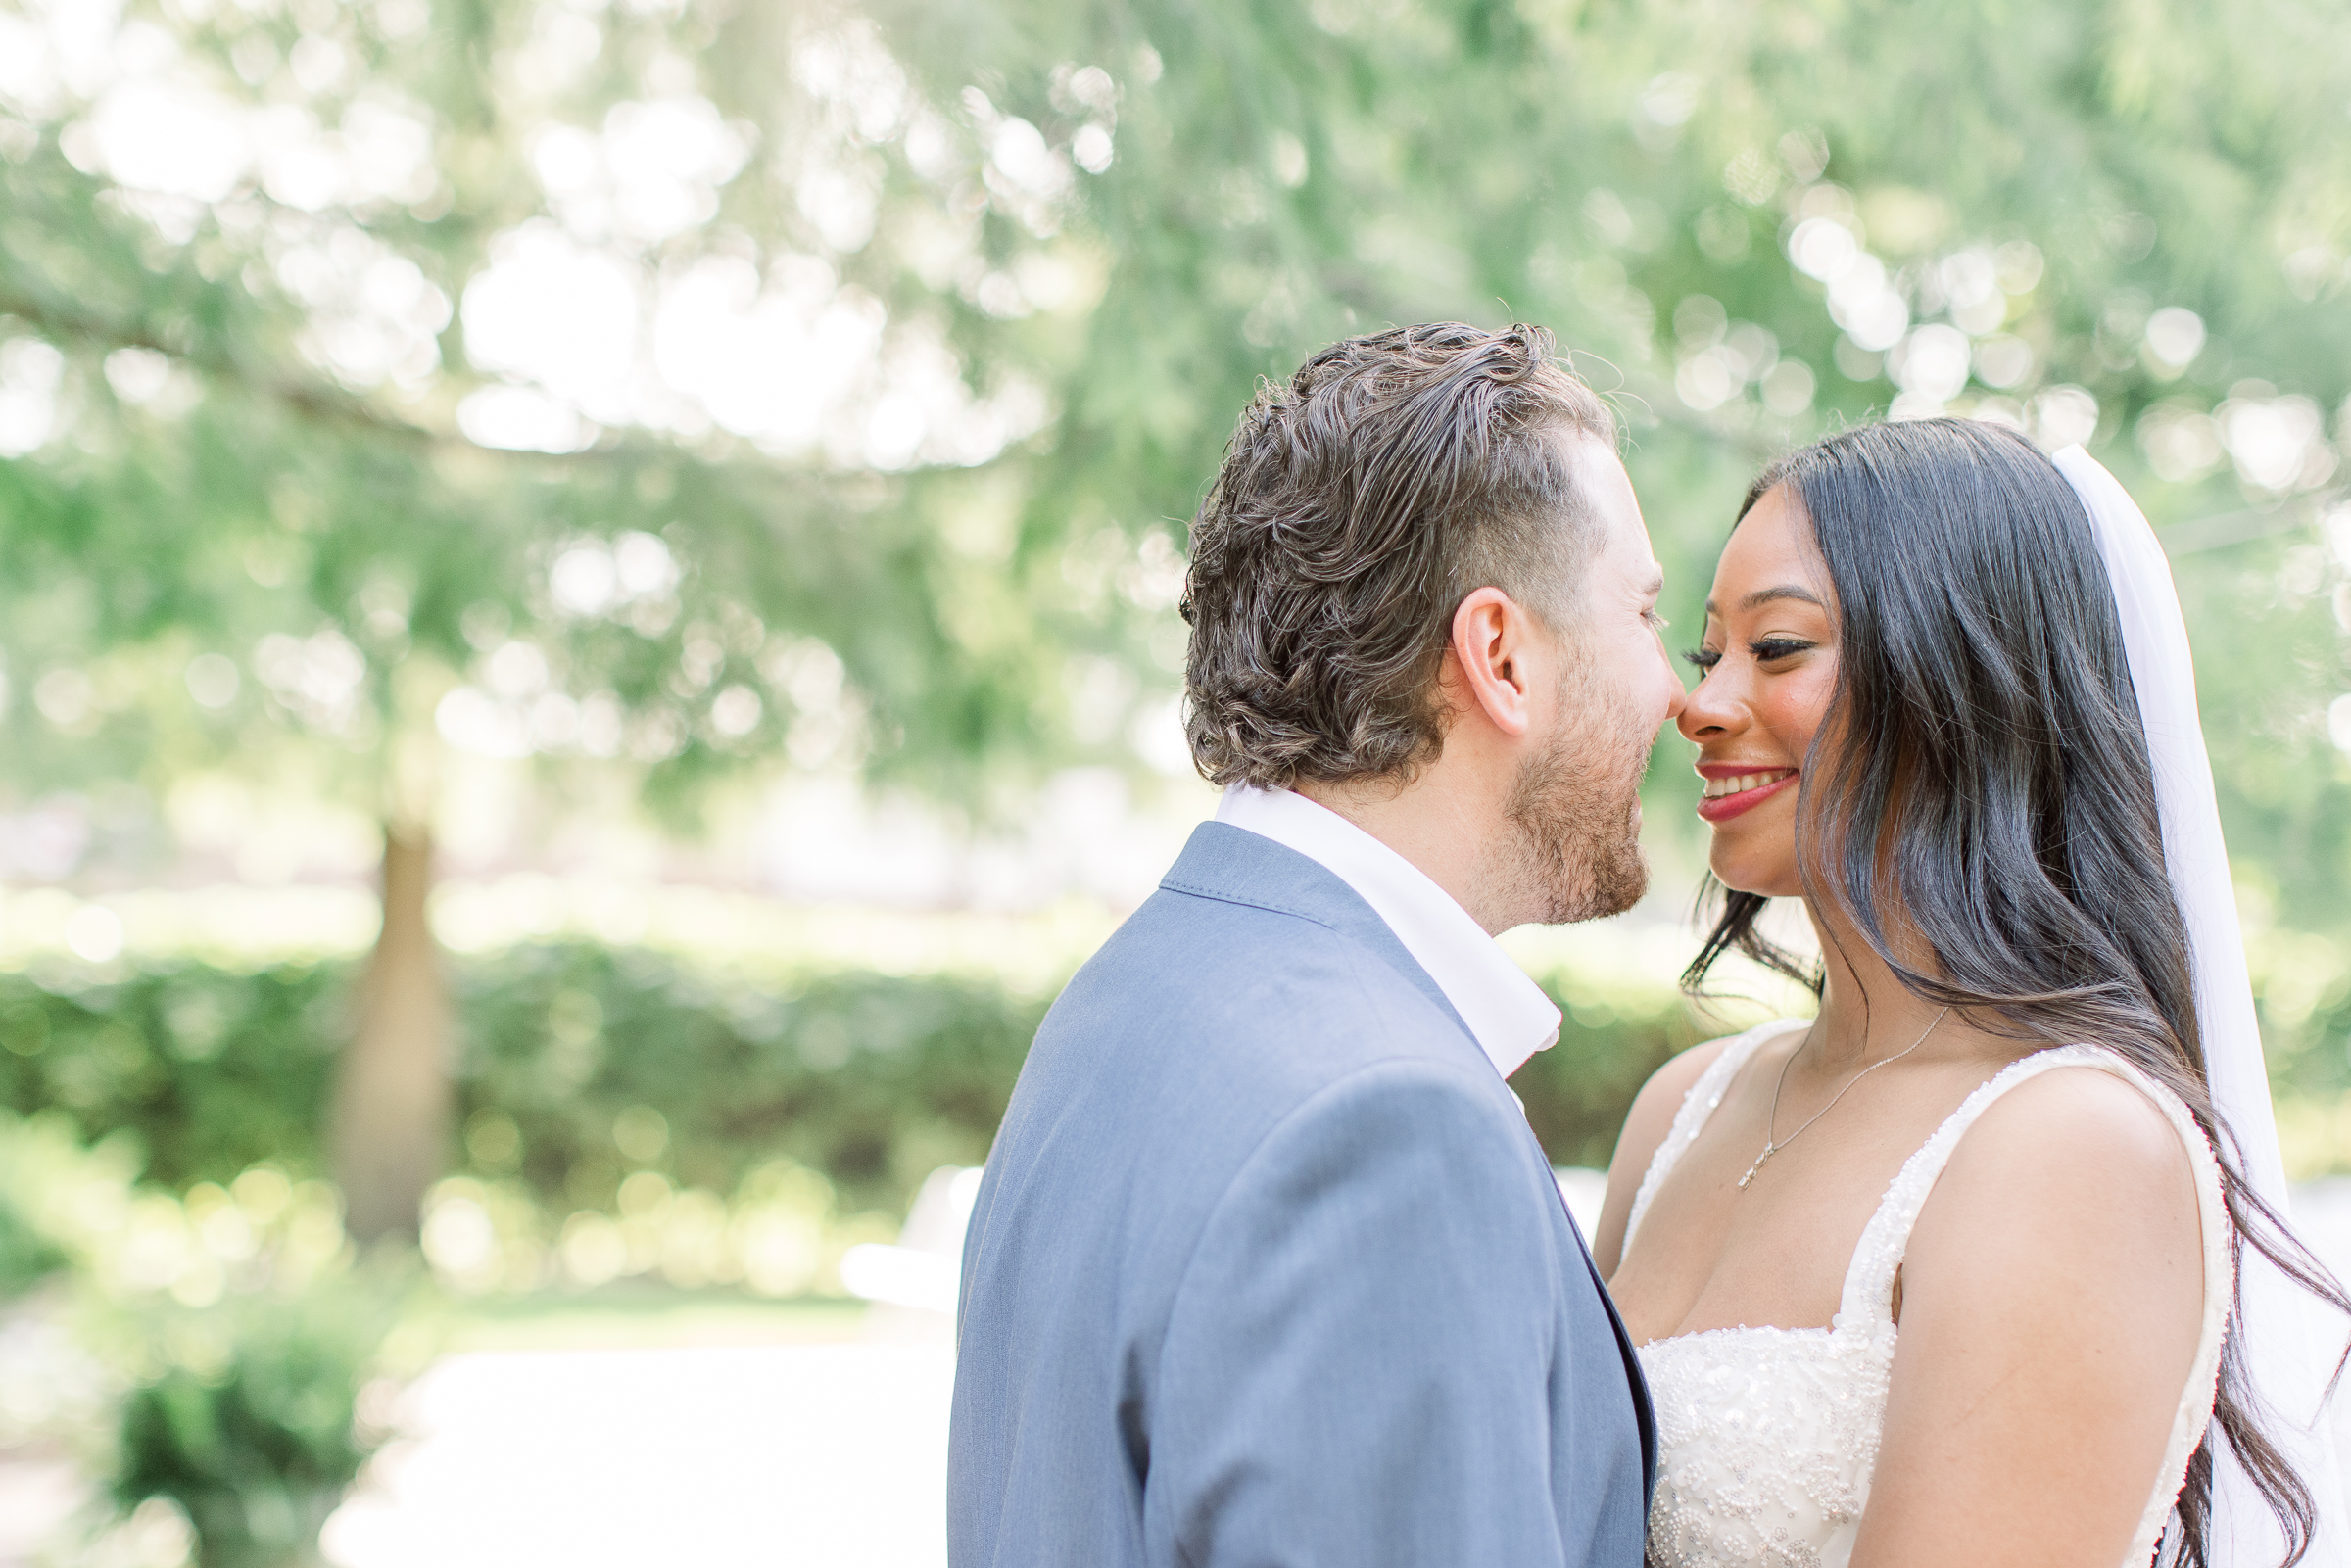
(1267, 1268)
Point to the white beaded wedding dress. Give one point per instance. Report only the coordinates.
(1767, 1437)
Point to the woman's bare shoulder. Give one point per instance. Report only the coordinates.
(2076, 1134)
(1668, 1088)
(2073, 1157)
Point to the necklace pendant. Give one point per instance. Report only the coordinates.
(1769, 1149)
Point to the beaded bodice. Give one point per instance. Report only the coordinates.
(1767, 1437)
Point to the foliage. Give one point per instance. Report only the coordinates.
(213, 1070)
(57, 1195)
(240, 423)
(204, 1348)
(26, 1255)
(781, 1231)
(871, 1080)
(1613, 1037)
(261, 521)
(254, 1429)
(1761, 222)
(1131, 210)
(583, 1064)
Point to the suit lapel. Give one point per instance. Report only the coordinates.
(1643, 1411)
(1238, 867)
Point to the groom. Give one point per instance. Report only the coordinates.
(1267, 1268)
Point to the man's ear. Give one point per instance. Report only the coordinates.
(1492, 641)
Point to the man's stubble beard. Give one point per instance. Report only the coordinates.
(1572, 807)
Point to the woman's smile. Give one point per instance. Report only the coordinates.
(1734, 789)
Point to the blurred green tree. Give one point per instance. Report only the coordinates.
(272, 505)
(2120, 223)
(663, 391)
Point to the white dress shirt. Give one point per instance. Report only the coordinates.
(1508, 1013)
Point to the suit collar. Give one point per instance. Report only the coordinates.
(1508, 1013)
(1239, 867)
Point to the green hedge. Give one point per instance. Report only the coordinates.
(214, 1070)
(1577, 1092)
(579, 1063)
(872, 1079)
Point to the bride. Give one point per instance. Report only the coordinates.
(1946, 1274)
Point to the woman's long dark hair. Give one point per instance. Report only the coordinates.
(1982, 778)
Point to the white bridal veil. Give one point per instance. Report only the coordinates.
(2290, 1341)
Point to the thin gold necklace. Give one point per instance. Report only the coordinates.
(1772, 1146)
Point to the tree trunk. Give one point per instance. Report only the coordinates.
(392, 1100)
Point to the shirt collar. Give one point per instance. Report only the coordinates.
(1508, 1013)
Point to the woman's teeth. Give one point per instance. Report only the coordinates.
(1716, 788)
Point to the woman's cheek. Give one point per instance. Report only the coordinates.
(1792, 722)
(1807, 706)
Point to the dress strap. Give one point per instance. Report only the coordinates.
(1868, 1300)
(1697, 1106)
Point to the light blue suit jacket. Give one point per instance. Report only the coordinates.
(1267, 1268)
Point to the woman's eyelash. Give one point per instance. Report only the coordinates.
(1765, 652)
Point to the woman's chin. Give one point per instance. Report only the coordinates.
(1741, 874)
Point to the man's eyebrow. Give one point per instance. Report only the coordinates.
(1768, 596)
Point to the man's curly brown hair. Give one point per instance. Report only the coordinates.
(1358, 505)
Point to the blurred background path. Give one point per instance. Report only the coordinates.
(825, 1456)
(796, 1456)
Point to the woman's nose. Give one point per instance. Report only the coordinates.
(1710, 711)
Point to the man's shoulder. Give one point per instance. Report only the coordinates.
(1248, 967)
(1200, 1021)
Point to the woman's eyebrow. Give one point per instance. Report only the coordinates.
(1767, 596)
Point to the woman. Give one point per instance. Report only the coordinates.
(1942, 1275)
